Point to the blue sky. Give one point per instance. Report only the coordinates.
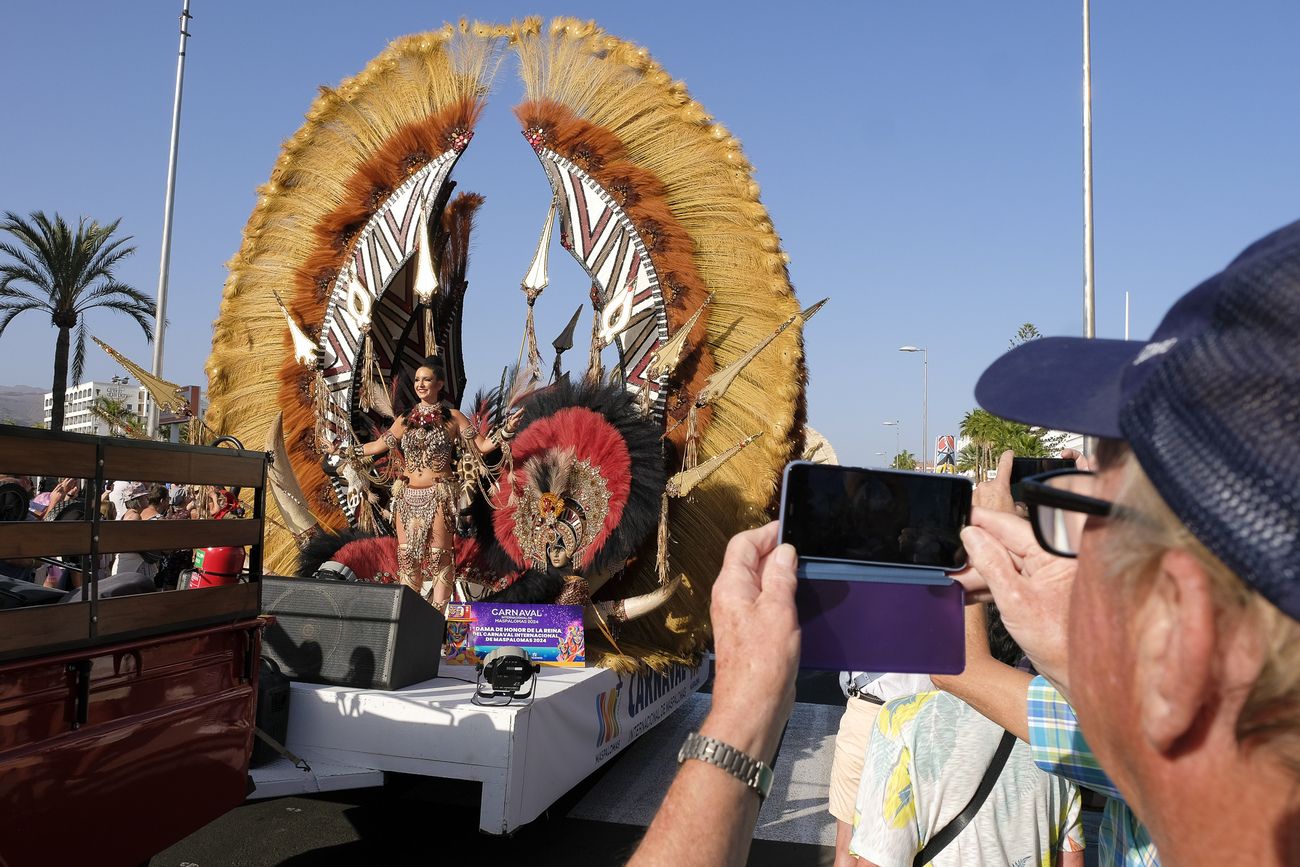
(920, 160)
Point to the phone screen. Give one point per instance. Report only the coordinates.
(1023, 468)
(895, 518)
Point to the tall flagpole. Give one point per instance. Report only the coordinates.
(160, 312)
(1089, 285)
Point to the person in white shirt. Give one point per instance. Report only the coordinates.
(927, 757)
(866, 692)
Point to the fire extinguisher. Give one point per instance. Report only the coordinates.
(216, 567)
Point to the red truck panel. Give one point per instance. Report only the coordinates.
(164, 749)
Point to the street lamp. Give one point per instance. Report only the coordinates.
(881, 455)
(897, 427)
(925, 397)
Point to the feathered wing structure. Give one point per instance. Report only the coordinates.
(285, 490)
(604, 117)
(333, 224)
(457, 225)
(655, 201)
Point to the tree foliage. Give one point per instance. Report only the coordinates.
(64, 273)
(904, 460)
(989, 435)
(121, 419)
(1025, 333)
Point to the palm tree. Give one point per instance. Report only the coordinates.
(121, 419)
(970, 458)
(904, 460)
(990, 436)
(982, 428)
(66, 274)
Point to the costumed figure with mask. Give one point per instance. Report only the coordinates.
(582, 494)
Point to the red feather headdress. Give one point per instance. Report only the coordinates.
(571, 480)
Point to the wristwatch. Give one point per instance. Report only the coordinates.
(747, 769)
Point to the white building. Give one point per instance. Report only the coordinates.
(78, 400)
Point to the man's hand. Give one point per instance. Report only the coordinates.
(995, 493)
(756, 642)
(1030, 586)
(1081, 461)
(708, 816)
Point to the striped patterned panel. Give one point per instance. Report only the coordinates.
(385, 244)
(602, 238)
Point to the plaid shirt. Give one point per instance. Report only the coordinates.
(1059, 748)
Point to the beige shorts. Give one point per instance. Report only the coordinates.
(850, 754)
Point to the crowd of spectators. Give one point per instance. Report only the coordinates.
(22, 499)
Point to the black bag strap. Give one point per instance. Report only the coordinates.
(949, 832)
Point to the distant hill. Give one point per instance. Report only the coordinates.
(22, 404)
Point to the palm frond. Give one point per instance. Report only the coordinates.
(9, 293)
(142, 315)
(12, 310)
(27, 269)
(114, 291)
(79, 352)
(49, 242)
(104, 255)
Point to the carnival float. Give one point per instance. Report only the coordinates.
(615, 484)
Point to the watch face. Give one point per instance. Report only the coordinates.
(764, 781)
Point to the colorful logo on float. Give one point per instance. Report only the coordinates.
(607, 715)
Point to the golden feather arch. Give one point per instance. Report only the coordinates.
(604, 108)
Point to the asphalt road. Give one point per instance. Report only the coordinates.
(417, 820)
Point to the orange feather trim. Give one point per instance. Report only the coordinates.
(643, 196)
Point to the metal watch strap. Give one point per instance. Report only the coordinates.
(747, 769)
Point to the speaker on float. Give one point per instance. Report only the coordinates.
(377, 636)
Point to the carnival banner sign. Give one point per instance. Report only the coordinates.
(549, 634)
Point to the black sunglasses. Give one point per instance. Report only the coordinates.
(1058, 513)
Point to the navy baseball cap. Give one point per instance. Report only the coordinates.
(1210, 406)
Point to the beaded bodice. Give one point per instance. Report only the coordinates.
(428, 448)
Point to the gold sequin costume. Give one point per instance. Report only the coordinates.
(428, 448)
(426, 445)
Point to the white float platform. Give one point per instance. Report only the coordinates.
(282, 777)
(525, 754)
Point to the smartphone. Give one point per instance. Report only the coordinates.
(889, 518)
(1023, 468)
(873, 549)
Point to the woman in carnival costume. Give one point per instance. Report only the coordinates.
(432, 438)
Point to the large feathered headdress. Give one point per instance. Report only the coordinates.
(655, 200)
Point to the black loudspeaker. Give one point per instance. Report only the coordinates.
(272, 714)
(378, 636)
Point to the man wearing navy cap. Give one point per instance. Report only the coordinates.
(1183, 618)
(1161, 594)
